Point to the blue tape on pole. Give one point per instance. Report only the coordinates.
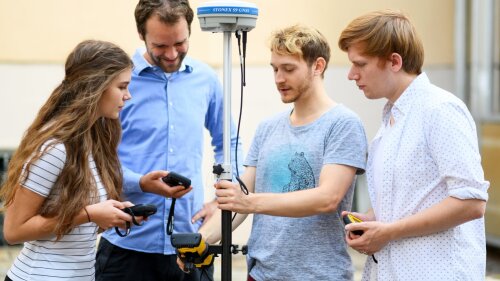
(228, 10)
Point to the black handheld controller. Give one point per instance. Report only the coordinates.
(349, 218)
(141, 210)
(174, 179)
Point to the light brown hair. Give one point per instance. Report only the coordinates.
(382, 33)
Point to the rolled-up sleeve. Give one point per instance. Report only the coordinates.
(454, 146)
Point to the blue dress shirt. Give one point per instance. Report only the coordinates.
(163, 130)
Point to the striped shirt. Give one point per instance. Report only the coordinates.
(72, 257)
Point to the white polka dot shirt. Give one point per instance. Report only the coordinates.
(430, 153)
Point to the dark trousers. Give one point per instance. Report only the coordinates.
(114, 263)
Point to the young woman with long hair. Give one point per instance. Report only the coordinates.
(64, 180)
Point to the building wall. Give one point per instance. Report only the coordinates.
(36, 36)
(46, 31)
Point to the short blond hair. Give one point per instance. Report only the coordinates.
(301, 40)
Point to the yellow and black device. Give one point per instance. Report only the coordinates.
(350, 218)
(192, 250)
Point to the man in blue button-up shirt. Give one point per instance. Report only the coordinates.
(174, 98)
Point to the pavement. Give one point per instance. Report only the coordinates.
(9, 253)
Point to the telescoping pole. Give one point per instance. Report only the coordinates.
(226, 215)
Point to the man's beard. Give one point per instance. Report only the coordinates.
(169, 68)
(301, 89)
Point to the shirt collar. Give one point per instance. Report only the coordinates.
(405, 102)
(141, 64)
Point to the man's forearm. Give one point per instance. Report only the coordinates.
(447, 214)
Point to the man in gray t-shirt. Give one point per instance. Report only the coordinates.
(301, 170)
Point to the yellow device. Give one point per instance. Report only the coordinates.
(192, 250)
(350, 218)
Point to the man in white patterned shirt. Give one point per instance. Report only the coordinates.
(425, 179)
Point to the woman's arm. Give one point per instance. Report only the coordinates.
(23, 223)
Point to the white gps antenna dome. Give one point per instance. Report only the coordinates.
(221, 16)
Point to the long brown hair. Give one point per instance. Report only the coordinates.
(70, 117)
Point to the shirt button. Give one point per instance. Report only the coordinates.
(172, 127)
(171, 150)
(170, 103)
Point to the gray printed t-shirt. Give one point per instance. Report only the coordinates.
(287, 159)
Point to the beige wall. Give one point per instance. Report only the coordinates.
(45, 31)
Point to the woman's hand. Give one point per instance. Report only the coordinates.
(109, 213)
